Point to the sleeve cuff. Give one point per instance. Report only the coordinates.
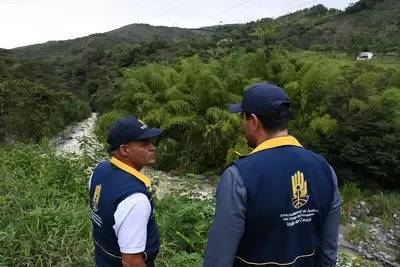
(132, 250)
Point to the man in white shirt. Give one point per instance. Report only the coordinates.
(125, 231)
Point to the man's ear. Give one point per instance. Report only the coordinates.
(123, 150)
(254, 121)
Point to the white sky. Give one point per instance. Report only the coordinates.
(24, 22)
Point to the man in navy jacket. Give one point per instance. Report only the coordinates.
(280, 205)
(125, 231)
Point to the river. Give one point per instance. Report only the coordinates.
(195, 186)
(70, 143)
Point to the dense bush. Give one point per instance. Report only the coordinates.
(347, 112)
(43, 209)
(30, 111)
(361, 5)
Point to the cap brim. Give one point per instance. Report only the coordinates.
(235, 108)
(153, 132)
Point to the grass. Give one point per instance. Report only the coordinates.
(346, 260)
(343, 59)
(43, 210)
(351, 196)
(388, 222)
(385, 204)
(382, 205)
(46, 219)
(366, 219)
(360, 233)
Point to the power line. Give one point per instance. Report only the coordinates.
(229, 9)
(178, 5)
(248, 1)
(309, 2)
(223, 10)
(233, 7)
(240, 4)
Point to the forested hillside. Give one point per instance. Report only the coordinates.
(367, 24)
(127, 35)
(184, 80)
(30, 108)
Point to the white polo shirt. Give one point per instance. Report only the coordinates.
(131, 219)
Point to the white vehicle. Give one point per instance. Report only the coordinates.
(366, 56)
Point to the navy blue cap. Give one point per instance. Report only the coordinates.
(129, 129)
(262, 99)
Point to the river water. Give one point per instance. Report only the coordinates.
(164, 182)
(70, 143)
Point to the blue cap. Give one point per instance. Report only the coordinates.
(129, 129)
(263, 99)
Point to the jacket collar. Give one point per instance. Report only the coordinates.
(274, 142)
(132, 171)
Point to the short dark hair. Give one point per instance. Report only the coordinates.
(273, 123)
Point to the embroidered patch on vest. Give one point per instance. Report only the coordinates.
(299, 185)
(96, 197)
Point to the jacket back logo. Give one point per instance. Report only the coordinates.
(299, 186)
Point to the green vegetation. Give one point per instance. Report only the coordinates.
(351, 196)
(183, 80)
(127, 35)
(46, 218)
(31, 111)
(89, 67)
(369, 219)
(379, 204)
(365, 25)
(43, 209)
(346, 260)
(360, 233)
(342, 59)
(348, 113)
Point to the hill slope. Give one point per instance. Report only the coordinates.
(376, 26)
(368, 24)
(130, 34)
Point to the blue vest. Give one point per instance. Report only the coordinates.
(111, 183)
(289, 192)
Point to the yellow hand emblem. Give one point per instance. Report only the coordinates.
(96, 197)
(299, 186)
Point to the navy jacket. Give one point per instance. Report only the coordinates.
(111, 183)
(289, 193)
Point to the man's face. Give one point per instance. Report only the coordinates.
(249, 130)
(140, 153)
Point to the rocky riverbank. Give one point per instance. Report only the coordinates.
(372, 229)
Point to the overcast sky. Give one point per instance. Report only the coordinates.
(24, 22)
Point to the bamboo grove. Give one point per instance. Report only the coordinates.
(348, 112)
